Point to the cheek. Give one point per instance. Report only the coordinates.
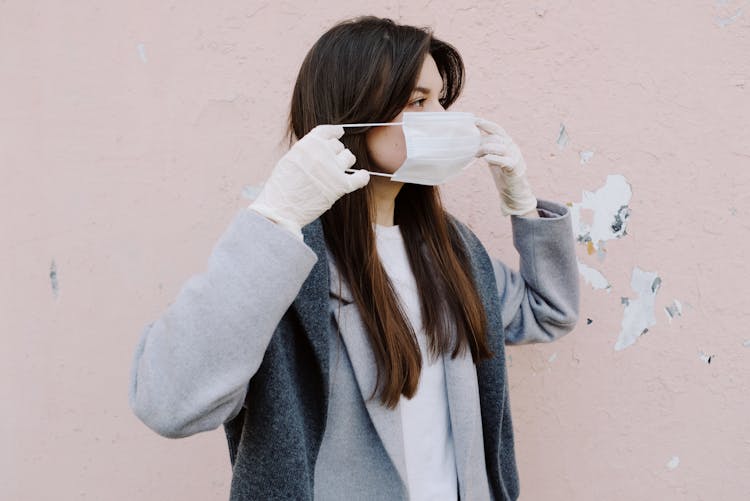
(387, 148)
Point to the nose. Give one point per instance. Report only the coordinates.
(437, 107)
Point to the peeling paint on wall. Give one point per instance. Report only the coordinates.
(142, 52)
(586, 156)
(746, 344)
(639, 312)
(562, 137)
(705, 356)
(552, 357)
(673, 310)
(601, 252)
(657, 283)
(53, 279)
(730, 14)
(611, 213)
(594, 277)
(673, 463)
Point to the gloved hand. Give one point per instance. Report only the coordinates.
(308, 179)
(508, 169)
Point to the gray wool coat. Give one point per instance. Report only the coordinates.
(268, 342)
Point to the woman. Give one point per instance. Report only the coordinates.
(348, 332)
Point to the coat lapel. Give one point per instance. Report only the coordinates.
(311, 304)
(463, 401)
(387, 422)
(461, 382)
(312, 307)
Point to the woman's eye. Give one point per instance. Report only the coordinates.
(420, 101)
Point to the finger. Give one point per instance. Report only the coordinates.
(497, 159)
(358, 179)
(328, 131)
(491, 138)
(504, 171)
(335, 145)
(490, 127)
(495, 148)
(345, 159)
(324, 146)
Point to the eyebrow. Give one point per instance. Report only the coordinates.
(425, 90)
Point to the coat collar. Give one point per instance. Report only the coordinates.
(311, 304)
(460, 375)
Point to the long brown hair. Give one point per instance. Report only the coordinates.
(364, 70)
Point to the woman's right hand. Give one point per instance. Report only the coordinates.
(308, 179)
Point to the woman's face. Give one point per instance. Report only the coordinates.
(386, 144)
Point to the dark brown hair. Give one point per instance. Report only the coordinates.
(364, 70)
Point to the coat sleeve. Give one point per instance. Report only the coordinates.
(192, 365)
(540, 302)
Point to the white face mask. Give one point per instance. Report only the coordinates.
(439, 145)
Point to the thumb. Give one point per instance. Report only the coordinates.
(358, 179)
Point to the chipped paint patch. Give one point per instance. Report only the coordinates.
(586, 156)
(141, 52)
(728, 17)
(552, 357)
(562, 137)
(639, 312)
(673, 310)
(251, 192)
(594, 277)
(53, 279)
(576, 360)
(601, 252)
(656, 284)
(611, 213)
(705, 357)
(746, 344)
(673, 463)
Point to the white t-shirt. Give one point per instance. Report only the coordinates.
(428, 439)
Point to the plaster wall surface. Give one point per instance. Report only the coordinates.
(131, 133)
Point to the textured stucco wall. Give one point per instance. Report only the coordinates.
(130, 134)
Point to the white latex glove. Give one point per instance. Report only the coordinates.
(508, 169)
(308, 179)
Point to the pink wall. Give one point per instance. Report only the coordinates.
(129, 134)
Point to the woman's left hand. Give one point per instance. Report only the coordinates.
(508, 169)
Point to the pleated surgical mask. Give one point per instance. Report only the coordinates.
(439, 145)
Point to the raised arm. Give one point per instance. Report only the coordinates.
(540, 302)
(192, 365)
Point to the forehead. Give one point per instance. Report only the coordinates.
(429, 76)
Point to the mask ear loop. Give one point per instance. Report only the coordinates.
(371, 125)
